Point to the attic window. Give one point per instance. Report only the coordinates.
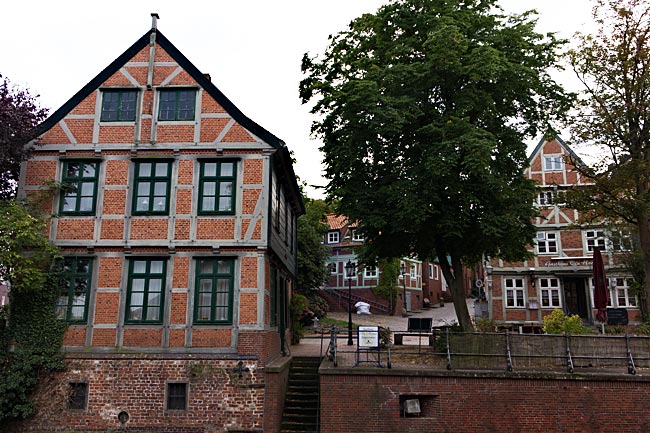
(118, 105)
(553, 163)
(177, 104)
(333, 237)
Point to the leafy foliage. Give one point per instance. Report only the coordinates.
(387, 287)
(30, 335)
(614, 114)
(19, 116)
(559, 323)
(311, 270)
(422, 108)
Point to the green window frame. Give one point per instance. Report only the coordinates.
(152, 183)
(214, 290)
(72, 304)
(217, 187)
(119, 105)
(176, 104)
(79, 192)
(145, 297)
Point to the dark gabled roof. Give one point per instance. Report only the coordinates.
(205, 83)
(164, 43)
(574, 155)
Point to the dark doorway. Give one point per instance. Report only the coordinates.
(575, 297)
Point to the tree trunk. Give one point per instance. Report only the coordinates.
(644, 244)
(455, 281)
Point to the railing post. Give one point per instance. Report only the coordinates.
(448, 350)
(631, 368)
(569, 361)
(388, 347)
(508, 357)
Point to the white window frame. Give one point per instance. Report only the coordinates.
(622, 291)
(413, 273)
(549, 286)
(545, 198)
(356, 236)
(333, 237)
(610, 300)
(547, 241)
(553, 163)
(620, 240)
(334, 268)
(370, 272)
(433, 272)
(515, 292)
(595, 238)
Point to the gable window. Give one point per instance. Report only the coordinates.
(370, 272)
(550, 292)
(546, 242)
(78, 397)
(553, 163)
(145, 290)
(177, 396)
(515, 297)
(118, 105)
(357, 236)
(595, 238)
(214, 290)
(217, 187)
(545, 198)
(152, 180)
(72, 305)
(177, 104)
(413, 274)
(79, 187)
(333, 237)
(623, 296)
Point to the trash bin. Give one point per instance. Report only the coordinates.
(362, 307)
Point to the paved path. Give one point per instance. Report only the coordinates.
(311, 345)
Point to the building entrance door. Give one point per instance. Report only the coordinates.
(575, 297)
(408, 301)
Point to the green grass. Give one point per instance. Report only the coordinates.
(328, 322)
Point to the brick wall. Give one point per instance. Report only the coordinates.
(218, 399)
(483, 403)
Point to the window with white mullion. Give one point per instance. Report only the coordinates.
(595, 238)
(553, 163)
(370, 272)
(623, 296)
(546, 243)
(549, 290)
(515, 295)
(333, 237)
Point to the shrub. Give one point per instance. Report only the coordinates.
(643, 329)
(485, 325)
(559, 323)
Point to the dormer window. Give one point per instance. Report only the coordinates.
(357, 236)
(333, 237)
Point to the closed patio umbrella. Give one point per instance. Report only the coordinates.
(601, 293)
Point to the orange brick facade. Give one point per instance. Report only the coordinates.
(149, 270)
(558, 276)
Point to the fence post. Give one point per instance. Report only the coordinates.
(508, 357)
(448, 350)
(388, 364)
(569, 361)
(631, 368)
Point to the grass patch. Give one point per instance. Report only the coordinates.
(327, 322)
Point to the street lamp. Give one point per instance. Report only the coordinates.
(402, 268)
(350, 272)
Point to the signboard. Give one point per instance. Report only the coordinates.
(617, 316)
(369, 336)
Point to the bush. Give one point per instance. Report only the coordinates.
(559, 323)
(643, 329)
(485, 325)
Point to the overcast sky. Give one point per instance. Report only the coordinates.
(251, 48)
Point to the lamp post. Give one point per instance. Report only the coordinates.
(402, 267)
(350, 272)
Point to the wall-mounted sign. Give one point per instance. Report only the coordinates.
(554, 263)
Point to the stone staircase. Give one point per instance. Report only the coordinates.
(301, 401)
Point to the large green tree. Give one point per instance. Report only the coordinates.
(312, 254)
(614, 114)
(20, 115)
(423, 108)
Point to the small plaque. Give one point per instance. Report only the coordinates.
(368, 336)
(617, 316)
